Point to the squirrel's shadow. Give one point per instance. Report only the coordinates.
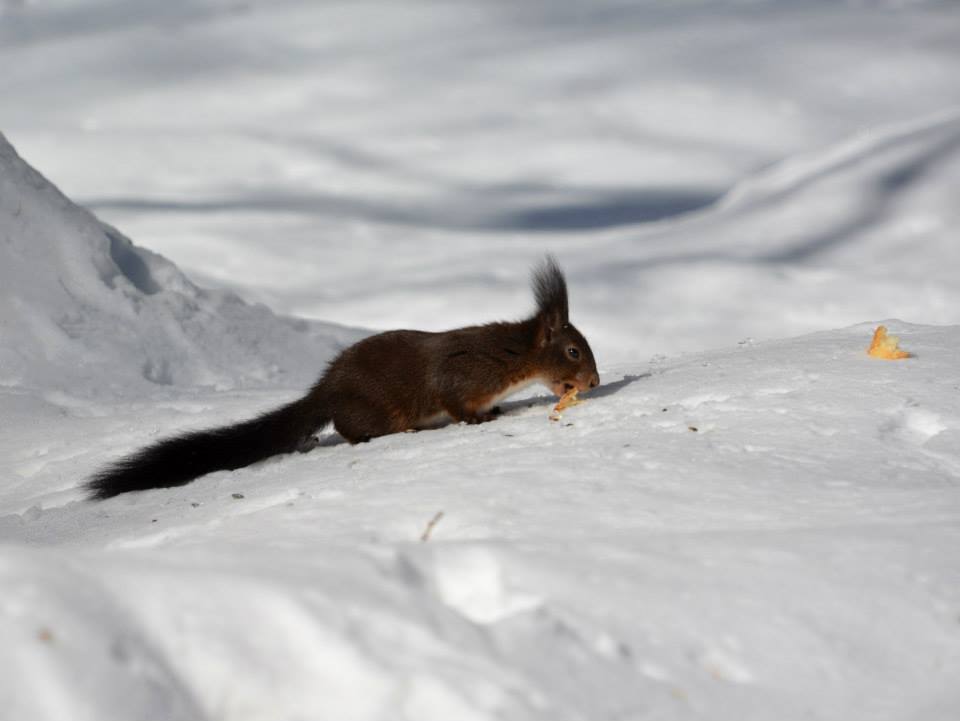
(607, 389)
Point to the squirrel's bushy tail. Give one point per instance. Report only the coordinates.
(178, 460)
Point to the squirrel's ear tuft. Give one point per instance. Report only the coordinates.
(550, 290)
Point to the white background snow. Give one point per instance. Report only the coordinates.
(750, 518)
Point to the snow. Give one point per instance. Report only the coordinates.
(791, 555)
(354, 162)
(750, 518)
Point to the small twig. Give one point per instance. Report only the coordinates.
(425, 536)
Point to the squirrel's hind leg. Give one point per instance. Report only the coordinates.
(358, 420)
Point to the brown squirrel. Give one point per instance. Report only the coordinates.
(387, 383)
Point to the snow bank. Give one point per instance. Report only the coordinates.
(86, 311)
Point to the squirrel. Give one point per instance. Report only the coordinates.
(387, 383)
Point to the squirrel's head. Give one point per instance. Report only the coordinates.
(564, 356)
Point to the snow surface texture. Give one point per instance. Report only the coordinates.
(768, 530)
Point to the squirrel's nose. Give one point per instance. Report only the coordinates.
(595, 381)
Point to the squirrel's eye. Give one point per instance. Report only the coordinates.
(573, 353)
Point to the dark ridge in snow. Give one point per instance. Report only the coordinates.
(130, 263)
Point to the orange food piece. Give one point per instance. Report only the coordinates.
(886, 346)
(566, 400)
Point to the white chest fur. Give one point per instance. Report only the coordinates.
(509, 391)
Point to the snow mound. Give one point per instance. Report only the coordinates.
(80, 301)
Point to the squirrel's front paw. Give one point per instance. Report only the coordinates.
(308, 444)
(482, 418)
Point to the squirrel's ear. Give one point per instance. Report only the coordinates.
(550, 290)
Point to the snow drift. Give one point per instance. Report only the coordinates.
(77, 296)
